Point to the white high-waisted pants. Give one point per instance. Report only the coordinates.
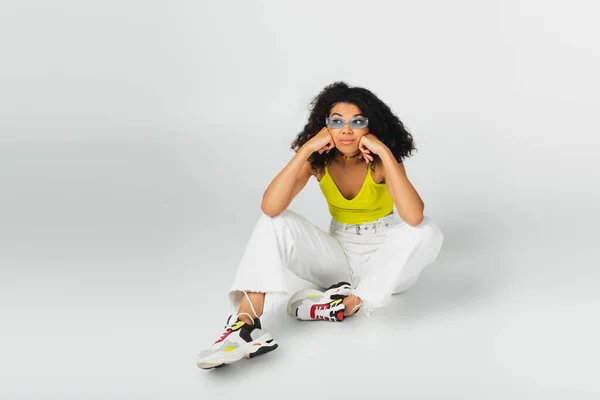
(379, 258)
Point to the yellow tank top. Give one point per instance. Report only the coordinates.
(371, 203)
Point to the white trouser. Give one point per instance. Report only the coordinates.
(379, 258)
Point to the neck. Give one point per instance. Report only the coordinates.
(349, 159)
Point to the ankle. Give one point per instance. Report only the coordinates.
(246, 319)
(351, 305)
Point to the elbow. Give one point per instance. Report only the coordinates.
(414, 220)
(270, 213)
(416, 217)
(269, 210)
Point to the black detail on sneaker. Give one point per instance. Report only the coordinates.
(337, 285)
(338, 296)
(270, 341)
(246, 329)
(263, 350)
(245, 332)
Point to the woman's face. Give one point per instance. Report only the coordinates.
(341, 117)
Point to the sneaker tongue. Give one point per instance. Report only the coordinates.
(229, 322)
(232, 321)
(325, 311)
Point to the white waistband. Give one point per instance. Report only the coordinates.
(376, 226)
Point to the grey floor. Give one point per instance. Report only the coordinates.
(509, 310)
(136, 143)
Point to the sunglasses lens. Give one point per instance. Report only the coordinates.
(359, 123)
(335, 123)
(338, 123)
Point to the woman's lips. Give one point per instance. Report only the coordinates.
(346, 141)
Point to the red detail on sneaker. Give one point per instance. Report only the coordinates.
(315, 307)
(256, 344)
(340, 315)
(223, 336)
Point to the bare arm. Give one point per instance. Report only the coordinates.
(287, 184)
(405, 197)
(407, 200)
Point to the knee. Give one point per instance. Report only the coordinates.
(402, 287)
(282, 219)
(428, 231)
(430, 228)
(287, 213)
(433, 235)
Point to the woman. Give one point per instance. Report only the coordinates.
(353, 144)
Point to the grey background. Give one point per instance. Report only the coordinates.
(137, 138)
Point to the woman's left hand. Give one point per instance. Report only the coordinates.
(370, 144)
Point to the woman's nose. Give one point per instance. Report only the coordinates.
(347, 129)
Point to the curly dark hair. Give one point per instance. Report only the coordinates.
(383, 123)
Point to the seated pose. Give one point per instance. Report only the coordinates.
(354, 145)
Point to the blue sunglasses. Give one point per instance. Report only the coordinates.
(355, 123)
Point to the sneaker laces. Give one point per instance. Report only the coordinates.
(230, 324)
(323, 311)
(251, 306)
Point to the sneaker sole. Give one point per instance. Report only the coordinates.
(260, 346)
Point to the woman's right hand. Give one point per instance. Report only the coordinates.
(321, 142)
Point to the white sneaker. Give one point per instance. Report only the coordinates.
(239, 340)
(311, 304)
